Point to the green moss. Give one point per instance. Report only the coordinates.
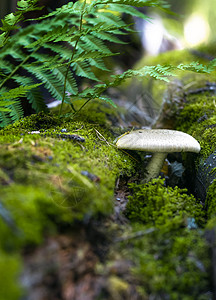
(155, 204)
(171, 264)
(52, 176)
(198, 119)
(211, 201)
(38, 121)
(9, 267)
(171, 259)
(54, 179)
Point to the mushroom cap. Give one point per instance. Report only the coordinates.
(158, 140)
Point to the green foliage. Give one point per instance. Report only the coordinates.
(153, 203)
(64, 45)
(60, 47)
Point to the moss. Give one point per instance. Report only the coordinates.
(38, 121)
(9, 266)
(211, 201)
(171, 264)
(198, 119)
(52, 180)
(157, 205)
(64, 167)
(171, 260)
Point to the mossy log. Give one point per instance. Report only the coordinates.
(58, 235)
(57, 183)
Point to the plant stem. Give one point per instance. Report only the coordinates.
(68, 67)
(84, 104)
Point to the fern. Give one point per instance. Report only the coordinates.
(63, 45)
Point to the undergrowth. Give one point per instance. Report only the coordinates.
(58, 48)
(155, 204)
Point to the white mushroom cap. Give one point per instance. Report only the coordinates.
(158, 140)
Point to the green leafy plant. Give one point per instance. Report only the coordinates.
(63, 45)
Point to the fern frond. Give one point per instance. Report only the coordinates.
(107, 100)
(16, 111)
(157, 72)
(61, 31)
(140, 3)
(4, 104)
(17, 92)
(4, 119)
(49, 80)
(26, 6)
(98, 63)
(82, 69)
(197, 67)
(94, 43)
(106, 36)
(110, 19)
(71, 85)
(130, 10)
(34, 95)
(11, 20)
(63, 45)
(91, 55)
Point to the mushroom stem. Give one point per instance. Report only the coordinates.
(155, 165)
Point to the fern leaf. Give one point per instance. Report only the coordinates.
(98, 63)
(26, 6)
(130, 10)
(82, 69)
(107, 100)
(49, 80)
(17, 92)
(196, 67)
(51, 36)
(4, 109)
(71, 85)
(36, 100)
(94, 43)
(82, 56)
(34, 96)
(4, 119)
(106, 36)
(6, 103)
(70, 8)
(16, 111)
(110, 19)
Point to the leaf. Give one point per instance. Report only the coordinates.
(82, 69)
(17, 92)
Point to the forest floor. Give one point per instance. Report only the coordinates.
(76, 224)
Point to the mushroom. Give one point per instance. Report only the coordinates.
(160, 142)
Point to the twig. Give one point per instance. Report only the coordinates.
(135, 235)
(101, 137)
